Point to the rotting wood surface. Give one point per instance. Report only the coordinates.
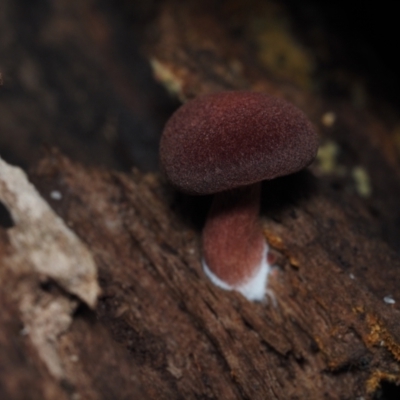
(326, 331)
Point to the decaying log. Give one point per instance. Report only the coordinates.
(326, 331)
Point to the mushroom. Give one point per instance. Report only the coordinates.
(225, 144)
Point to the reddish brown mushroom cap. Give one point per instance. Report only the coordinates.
(230, 139)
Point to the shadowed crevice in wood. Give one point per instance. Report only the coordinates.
(6, 220)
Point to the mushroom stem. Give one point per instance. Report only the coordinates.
(234, 247)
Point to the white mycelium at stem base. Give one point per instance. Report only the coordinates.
(234, 247)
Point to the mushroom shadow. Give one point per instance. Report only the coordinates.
(282, 193)
(277, 195)
(192, 209)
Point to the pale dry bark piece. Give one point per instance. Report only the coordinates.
(42, 248)
(51, 247)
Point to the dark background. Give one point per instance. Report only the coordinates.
(103, 107)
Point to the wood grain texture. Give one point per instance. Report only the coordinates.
(324, 333)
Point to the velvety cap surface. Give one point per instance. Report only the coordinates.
(229, 139)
